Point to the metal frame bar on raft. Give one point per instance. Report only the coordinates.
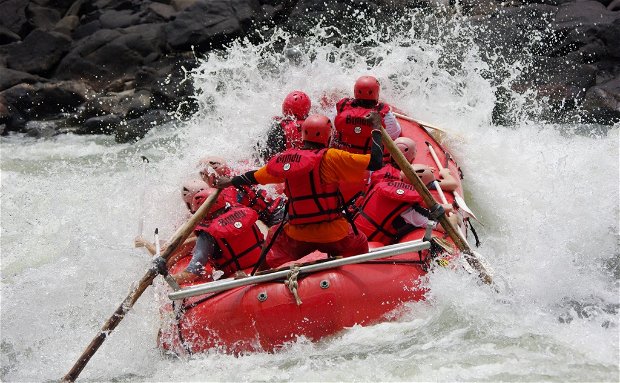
(217, 286)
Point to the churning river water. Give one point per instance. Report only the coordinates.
(546, 194)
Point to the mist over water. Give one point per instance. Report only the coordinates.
(546, 194)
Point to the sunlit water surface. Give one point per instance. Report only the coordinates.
(547, 196)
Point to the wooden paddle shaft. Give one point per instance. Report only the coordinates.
(177, 239)
(411, 119)
(429, 200)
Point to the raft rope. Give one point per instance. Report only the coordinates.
(473, 231)
(291, 283)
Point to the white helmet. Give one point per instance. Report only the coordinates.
(217, 163)
(425, 173)
(190, 188)
(407, 146)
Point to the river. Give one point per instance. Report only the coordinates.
(547, 195)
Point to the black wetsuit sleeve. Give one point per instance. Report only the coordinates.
(376, 151)
(203, 251)
(246, 178)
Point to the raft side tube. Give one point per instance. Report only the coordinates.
(385, 252)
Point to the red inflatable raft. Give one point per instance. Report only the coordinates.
(315, 297)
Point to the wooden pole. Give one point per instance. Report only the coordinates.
(457, 197)
(177, 239)
(425, 124)
(429, 200)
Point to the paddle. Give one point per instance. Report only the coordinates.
(429, 200)
(425, 124)
(142, 212)
(457, 197)
(177, 239)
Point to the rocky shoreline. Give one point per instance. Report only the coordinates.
(118, 66)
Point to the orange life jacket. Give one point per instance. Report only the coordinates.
(309, 199)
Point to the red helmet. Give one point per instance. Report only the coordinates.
(407, 147)
(316, 128)
(201, 197)
(190, 188)
(366, 88)
(296, 103)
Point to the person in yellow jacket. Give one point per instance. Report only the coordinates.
(311, 175)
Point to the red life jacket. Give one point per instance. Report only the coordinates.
(292, 132)
(309, 199)
(387, 173)
(383, 204)
(258, 200)
(229, 195)
(353, 131)
(238, 237)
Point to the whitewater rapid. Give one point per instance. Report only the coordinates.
(546, 194)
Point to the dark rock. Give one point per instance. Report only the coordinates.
(41, 129)
(125, 104)
(110, 54)
(7, 36)
(86, 29)
(211, 23)
(174, 91)
(164, 11)
(107, 124)
(611, 37)
(120, 85)
(147, 77)
(15, 122)
(63, 6)
(139, 104)
(91, 108)
(269, 12)
(10, 77)
(135, 129)
(113, 19)
(4, 110)
(43, 18)
(146, 39)
(119, 5)
(587, 12)
(39, 52)
(510, 31)
(602, 102)
(13, 16)
(19, 99)
(67, 25)
(558, 70)
(73, 7)
(180, 5)
(112, 103)
(40, 101)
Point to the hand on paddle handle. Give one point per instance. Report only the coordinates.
(222, 182)
(445, 173)
(139, 241)
(448, 208)
(375, 119)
